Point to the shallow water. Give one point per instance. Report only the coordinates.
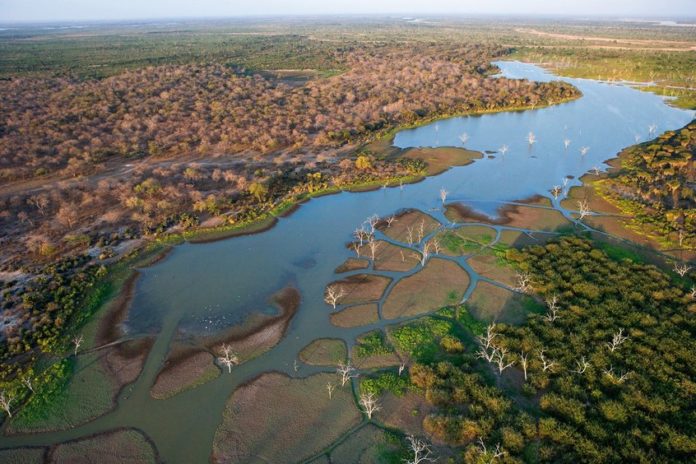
(205, 288)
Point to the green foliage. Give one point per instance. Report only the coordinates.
(372, 344)
(48, 388)
(385, 382)
(420, 339)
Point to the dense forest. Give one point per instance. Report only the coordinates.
(656, 183)
(612, 362)
(50, 125)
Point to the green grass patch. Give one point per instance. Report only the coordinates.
(386, 382)
(372, 344)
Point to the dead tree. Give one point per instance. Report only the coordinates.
(5, 403)
(77, 341)
(546, 363)
(681, 269)
(228, 358)
(421, 451)
(693, 293)
(523, 283)
(372, 222)
(500, 360)
(492, 455)
(437, 246)
(333, 294)
(27, 382)
(421, 230)
(346, 371)
(582, 366)
(523, 362)
(425, 253)
(583, 209)
(409, 235)
(617, 339)
(552, 314)
(487, 350)
(443, 195)
(566, 143)
(616, 377)
(369, 404)
(374, 246)
(330, 388)
(360, 235)
(584, 151)
(389, 220)
(556, 191)
(356, 247)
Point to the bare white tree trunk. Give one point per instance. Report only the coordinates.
(421, 451)
(616, 340)
(330, 388)
(346, 372)
(333, 294)
(228, 358)
(77, 341)
(369, 404)
(5, 402)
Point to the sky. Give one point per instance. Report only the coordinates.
(81, 10)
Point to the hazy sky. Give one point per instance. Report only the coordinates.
(56, 10)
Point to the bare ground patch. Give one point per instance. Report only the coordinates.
(491, 303)
(255, 430)
(405, 413)
(356, 316)
(390, 257)
(438, 284)
(524, 217)
(362, 288)
(409, 220)
(442, 158)
(352, 264)
(324, 352)
(122, 446)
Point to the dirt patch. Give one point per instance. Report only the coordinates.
(405, 413)
(109, 329)
(23, 455)
(362, 288)
(390, 257)
(375, 361)
(190, 372)
(409, 220)
(595, 202)
(209, 236)
(440, 283)
(442, 158)
(365, 446)
(356, 316)
(488, 266)
(524, 217)
(324, 352)
(352, 264)
(491, 303)
(255, 430)
(123, 446)
(191, 364)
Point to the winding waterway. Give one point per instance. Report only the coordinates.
(212, 286)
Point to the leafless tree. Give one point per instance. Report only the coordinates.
(443, 195)
(552, 303)
(565, 181)
(372, 222)
(402, 366)
(356, 247)
(41, 202)
(403, 258)
(487, 350)
(681, 269)
(464, 138)
(617, 339)
(546, 363)
(295, 365)
(228, 358)
(504, 149)
(582, 366)
(346, 371)
(566, 143)
(652, 128)
(556, 191)
(421, 230)
(531, 138)
(523, 362)
(409, 235)
(584, 151)
(26, 380)
(421, 451)
(374, 245)
(389, 220)
(436, 245)
(425, 253)
(500, 360)
(361, 235)
(523, 283)
(583, 209)
(693, 293)
(369, 404)
(5, 402)
(596, 170)
(492, 455)
(330, 388)
(333, 294)
(614, 376)
(77, 341)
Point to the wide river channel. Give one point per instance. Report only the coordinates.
(208, 287)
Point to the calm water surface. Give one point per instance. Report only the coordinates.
(212, 286)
